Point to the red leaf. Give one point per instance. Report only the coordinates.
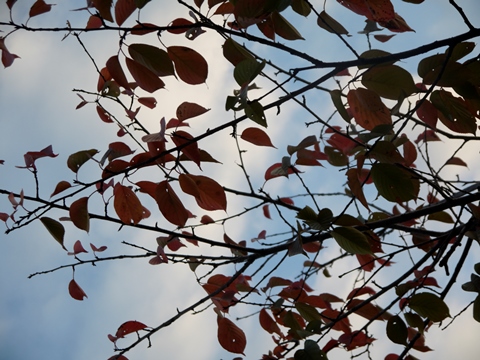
(104, 116)
(103, 7)
(170, 205)
(179, 22)
(256, 136)
(116, 71)
(118, 149)
(427, 135)
(61, 186)
(126, 204)
(31, 156)
(360, 291)
(94, 22)
(10, 3)
(368, 109)
(129, 327)
(190, 66)
(100, 249)
(355, 340)
(206, 220)
(208, 193)
(266, 211)
(103, 77)
(230, 336)
(79, 214)
(4, 216)
(427, 112)
(144, 28)
(144, 77)
(187, 110)
(268, 324)
(117, 357)
(456, 161)
(277, 170)
(123, 9)
(375, 10)
(77, 248)
(7, 56)
(76, 291)
(383, 38)
(39, 7)
(149, 102)
(191, 151)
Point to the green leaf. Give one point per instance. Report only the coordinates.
(335, 157)
(55, 229)
(351, 240)
(414, 320)
(247, 70)
(284, 29)
(254, 111)
(390, 82)
(473, 285)
(393, 183)
(374, 53)
(461, 50)
(328, 23)
(307, 311)
(456, 115)
(153, 58)
(441, 216)
(336, 96)
(397, 330)
(301, 7)
(477, 268)
(429, 306)
(320, 221)
(311, 351)
(76, 160)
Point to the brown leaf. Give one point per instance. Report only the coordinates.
(256, 136)
(187, 110)
(230, 336)
(368, 109)
(208, 193)
(127, 205)
(79, 214)
(170, 205)
(39, 7)
(190, 66)
(123, 9)
(145, 78)
(76, 291)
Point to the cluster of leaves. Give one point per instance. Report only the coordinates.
(368, 143)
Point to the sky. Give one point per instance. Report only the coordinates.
(37, 316)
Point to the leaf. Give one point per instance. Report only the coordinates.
(127, 205)
(116, 71)
(145, 78)
(123, 9)
(356, 187)
(247, 70)
(476, 308)
(456, 115)
(283, 28)
(39, 7)
(76, 291)
(368, 109)
(456, 161)
(336, 96)
(207, 192)
(103, 7)
(441, 216)
(235, 53)
(375, 10)
(76, 160)
(393, 183)
(55, 229)
(190, 66)
(429, 306)
(328, 23)
(230, 336)
(191, 151)
(77, 248)
(389, 81)
(351, 240)
(79, 214)
(188, 110)
(427, 112)
(155, 59)
(149, 102)
(254, 111)
(31, 156)
(7, 56)
(397, 330)
(129, 327)
(311, 351)
(61, 186)
(179, 22)
(170, 205)
(268, 324)
(256, 136)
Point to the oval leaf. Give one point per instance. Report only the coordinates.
(76, 160)
(79, 214)
(429, 306)
(126, 204)
(397, 330)
(393, 183)
(170, 205)
(368, 109)
(230, 336)
(256, 136)
(190, 66)
(144, 77)
(153, 58)
(351, 240)
(187, 110)
(76, 291)
(55, 229)
(208, 193)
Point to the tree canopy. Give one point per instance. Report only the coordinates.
(300, 176)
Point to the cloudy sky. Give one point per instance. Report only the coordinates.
(38, 319)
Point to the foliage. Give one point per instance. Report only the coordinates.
(375, 142)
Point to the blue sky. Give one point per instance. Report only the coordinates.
(37, 316)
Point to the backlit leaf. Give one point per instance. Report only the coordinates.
(79, 214)
(191, 151)
(268, 324)
(256, 136)
(76, 291)
(456, 161)
(61, 186)
(351, 240)
(234, 52)
(123, 9)
(129, 327)
(301, 7)
(254, 111)
(356, 187)
(207, 192)
(389, 81)
(188, 110)
(441, 216)
(368, 109)
(397, 330)
(230, 336)
(336, 96)
(393, 183)
(55, 229)
(283, 28)
(116, 71)
(429, 305)
(427, 112)
(190, 66)
(39, 7)
(456, 115)
(170, 205)
(127, 205)
(144, 77)
(476, 309)
(328, 23)
(76, 160)
(247, 70)
(104, 8)
(155, 59)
